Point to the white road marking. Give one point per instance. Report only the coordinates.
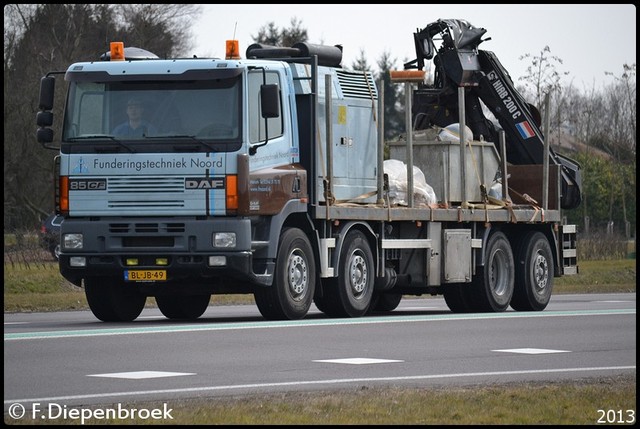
(139, 375)
(528, 351)
(358, 361)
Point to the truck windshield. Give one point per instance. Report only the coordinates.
(154, 111)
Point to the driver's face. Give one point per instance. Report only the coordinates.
(134, 110)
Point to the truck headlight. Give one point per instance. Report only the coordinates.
(224, 239)
(72, 241)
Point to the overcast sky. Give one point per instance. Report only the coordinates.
(590, 39)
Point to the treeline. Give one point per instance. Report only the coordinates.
(594, 126)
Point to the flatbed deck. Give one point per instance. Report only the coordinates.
(372, 212)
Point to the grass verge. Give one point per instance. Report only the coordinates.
(605, 400)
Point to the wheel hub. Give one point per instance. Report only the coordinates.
(541, 272)
(297, 275)
(358, 274)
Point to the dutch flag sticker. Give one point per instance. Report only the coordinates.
(525, 130)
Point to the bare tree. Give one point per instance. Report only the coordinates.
(582, 114)
(542, 78)
(626, 86)
(40, 38)
(622, 144)
(542, 75)
(164, 29)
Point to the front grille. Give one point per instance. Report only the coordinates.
(137, 185)
(146, 193)
(147, 228)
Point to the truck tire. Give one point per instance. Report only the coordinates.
(54, 249)
(385, 301)
(458, 297)
(188, 307)
(493, 284)
(534, 273)
(294, 280)
(323, 303)
(350, 293)
(111, 300)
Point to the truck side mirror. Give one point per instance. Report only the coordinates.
(269, 101)
(44, 135)
(47, 90)
(44, 119)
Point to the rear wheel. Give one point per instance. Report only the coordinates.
(534, 273)
(111, 300)
(494, 282)
(458, 297)
(350, 294)
(188, 307)
(323, 303)
(291, 294)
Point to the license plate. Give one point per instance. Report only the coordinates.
(145, 275)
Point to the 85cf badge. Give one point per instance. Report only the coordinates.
(87, 184)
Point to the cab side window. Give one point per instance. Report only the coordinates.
(257, 132)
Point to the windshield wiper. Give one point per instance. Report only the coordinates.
(102, 136)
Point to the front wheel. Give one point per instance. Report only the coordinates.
(384, 302)
(291, 294)
(188, 307)
(534, 273)
(111, 300)
(55, 251)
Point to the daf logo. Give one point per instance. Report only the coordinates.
(204, 183)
